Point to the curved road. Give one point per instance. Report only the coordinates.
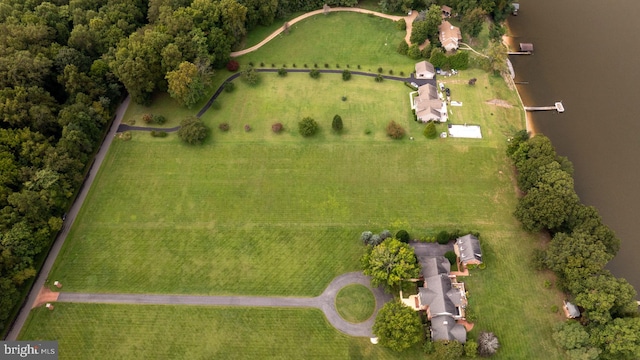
(68, 222)
(324, 302)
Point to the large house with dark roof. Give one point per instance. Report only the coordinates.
(442, 298)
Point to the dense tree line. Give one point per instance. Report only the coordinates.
(581, 246)
(57, 94)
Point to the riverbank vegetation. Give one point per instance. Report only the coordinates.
(580, 247)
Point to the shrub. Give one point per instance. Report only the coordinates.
(251, 63)
(401, 25)
(451, 256)
(471, 349)
(307, 127)
(375, 240)
(414, 52)
(294, 64)
(305, 65)
(247, 127)
(282, 72)
(487, 344)
(336, 124)
(261, 64)
(250, 76)
(378, 78)
(380, 70)
(390, 72)
(277, 128)
(401, 73)
(326, 66)
(314, 74)
(343, 98)
(233, 66)
(346, 75)
(403, 236)
(284, 65)
(192, 130)
(442, 237)
(147, 118)
(315, 65)
(159, 119)
(224, 127)
(394, 130)
(430, 130)
(447, 350)
(385, 234)
(337, 66)
(155, 133)
(358, 66)
(273, 65)
(365, 237)
(229, 86)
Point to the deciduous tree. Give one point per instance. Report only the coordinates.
(389, 263)
(397, 326)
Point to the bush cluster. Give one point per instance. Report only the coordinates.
(233, 66)
(161, 134)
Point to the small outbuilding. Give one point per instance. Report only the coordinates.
(570, 310)
(425, 70)
(446, 11)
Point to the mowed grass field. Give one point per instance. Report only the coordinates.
(341, 38)
(255, 213)
(90, 331)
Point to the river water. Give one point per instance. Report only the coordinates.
(586, 54)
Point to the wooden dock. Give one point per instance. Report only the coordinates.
(519, 53)
(558, 106)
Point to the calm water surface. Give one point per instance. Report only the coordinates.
(587, 54)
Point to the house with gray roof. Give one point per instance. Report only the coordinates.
(446, 328)
(434, 265)
(440, 297)
(468, 251)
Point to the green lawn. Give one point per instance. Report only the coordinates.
(355, 303)
(94, 331)
(257, 213)
(340, 38)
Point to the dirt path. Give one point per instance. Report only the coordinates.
(68, 222)
(324, 302)
(408, 19)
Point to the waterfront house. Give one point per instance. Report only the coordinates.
(449, 36)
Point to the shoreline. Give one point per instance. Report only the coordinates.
(507, 40)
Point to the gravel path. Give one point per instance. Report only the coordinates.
(324, 302)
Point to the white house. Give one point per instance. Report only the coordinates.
(425, 70)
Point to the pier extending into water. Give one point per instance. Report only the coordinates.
(558, 106)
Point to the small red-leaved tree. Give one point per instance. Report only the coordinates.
(277, 127)
(394, 130)
(233, 65)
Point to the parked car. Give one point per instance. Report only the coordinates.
(447, 91)
(441, 85)
(414, 85)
